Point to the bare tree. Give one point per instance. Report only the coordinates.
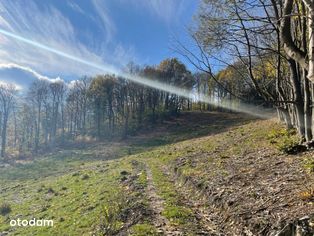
(38, 94)
(7, 100)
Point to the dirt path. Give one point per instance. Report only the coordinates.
(156, 203)
(197, 203)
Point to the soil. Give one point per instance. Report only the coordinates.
(156, 204)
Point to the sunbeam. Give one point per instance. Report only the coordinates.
(233, 105)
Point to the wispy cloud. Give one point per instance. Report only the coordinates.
(47, 25)
(168, 11)
(75, 7)
(28, 70)
(105, 19)
(22, 76)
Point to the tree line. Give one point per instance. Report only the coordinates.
(52, 113)
(265, 46)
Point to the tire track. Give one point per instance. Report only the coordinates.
(156, 202)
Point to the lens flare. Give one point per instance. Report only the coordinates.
(230, 104)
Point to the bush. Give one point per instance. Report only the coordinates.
(288, 145)
(5, 209)
(110, 223)
(111, 219)
(286, 141)
(85, 176)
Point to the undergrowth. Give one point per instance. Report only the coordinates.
(286, 141)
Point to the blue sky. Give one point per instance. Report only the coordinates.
(111, 32)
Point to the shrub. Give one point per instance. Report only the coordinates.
(110, 219)
(5, 209)
(110, 224)
(286, 141)
(288, 145)
(85, 176)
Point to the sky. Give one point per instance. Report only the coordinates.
(106, 32)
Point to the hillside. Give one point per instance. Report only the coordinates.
(198, 174)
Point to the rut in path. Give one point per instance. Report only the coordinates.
(156, 203)
(202, 214)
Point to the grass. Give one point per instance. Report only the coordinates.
(309, 165)
(87, 192)
(144, 229)
(75, 203)
(142, 179)
(177, 214)
(284, 140)
(110, 223)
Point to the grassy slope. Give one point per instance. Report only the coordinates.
(198, 163)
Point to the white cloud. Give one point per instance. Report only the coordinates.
(24, 68)
(47, 25)
(22, 76)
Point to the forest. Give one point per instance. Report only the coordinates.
(100, 107)
(180, 159)
(270, 65)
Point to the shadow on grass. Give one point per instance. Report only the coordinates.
(188, 125)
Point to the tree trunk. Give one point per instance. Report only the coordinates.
(310, 6)
(307, 109)
(4, 134)
(297, 94)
